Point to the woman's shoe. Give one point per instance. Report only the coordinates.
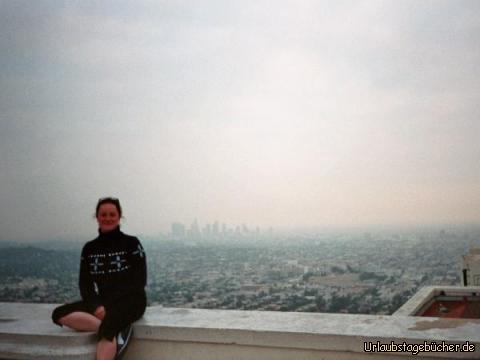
(123, 339)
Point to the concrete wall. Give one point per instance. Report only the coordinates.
(26, 332)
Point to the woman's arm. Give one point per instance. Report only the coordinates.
(139, 264)
(86, 284)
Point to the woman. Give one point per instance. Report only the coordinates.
(112, 285)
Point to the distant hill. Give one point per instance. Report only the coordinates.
(30, 261)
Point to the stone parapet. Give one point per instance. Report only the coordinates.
(26, 332)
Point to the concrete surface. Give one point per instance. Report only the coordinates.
(26, 332)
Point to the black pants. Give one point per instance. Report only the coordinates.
(118, 313)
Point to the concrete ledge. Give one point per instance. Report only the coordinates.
(318, 333)
(26, 332)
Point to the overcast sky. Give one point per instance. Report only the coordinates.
(268, 113)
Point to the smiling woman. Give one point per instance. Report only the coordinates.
(108, 214)
(112, 284)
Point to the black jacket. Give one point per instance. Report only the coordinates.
(112, 266)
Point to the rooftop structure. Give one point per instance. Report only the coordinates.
(471, 268)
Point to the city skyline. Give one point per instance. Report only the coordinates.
(306, 114)
(353, 273)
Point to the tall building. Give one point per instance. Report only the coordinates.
(215, 229)
(178, 230)
(207, 231)
(194, 231)
(471, 268)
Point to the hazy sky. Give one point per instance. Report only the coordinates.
(268, 113)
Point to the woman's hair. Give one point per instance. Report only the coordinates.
(109, 200)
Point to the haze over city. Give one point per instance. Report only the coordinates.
(287, 114)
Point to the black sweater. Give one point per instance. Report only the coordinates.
(112, 266)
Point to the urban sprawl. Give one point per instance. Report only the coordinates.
(217, 267)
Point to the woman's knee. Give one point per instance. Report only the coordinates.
(57, 315)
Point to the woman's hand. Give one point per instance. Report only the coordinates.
(99, 312)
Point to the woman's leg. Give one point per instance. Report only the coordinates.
(76, 316)
(106, 350)
(118, 316)
(81, 321)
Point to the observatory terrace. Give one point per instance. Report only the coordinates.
(26, 332)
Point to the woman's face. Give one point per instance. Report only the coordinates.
(108, 217)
